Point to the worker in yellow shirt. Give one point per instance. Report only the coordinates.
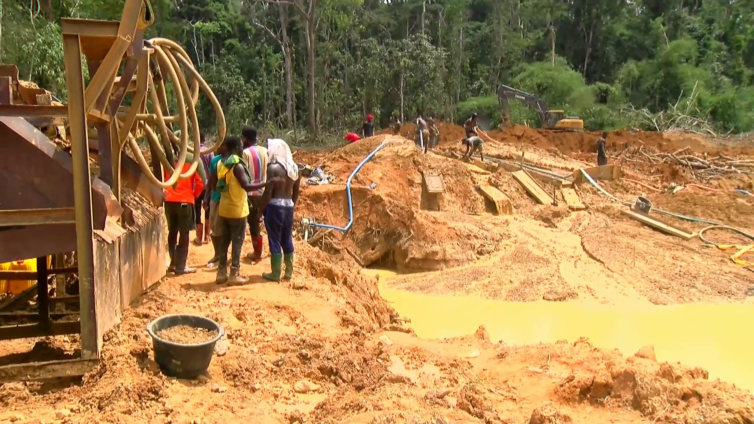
(233, 182)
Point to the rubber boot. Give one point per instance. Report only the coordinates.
(257, 255)
(276, 260)
(288, 258)
(199, 240)
(235, 277)
(222, 276)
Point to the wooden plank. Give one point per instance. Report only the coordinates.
(658, 225)
(434, 183)
(31, 111)
(606, 173)
(502, 202)
(533, 188)
(572, 199)
(46, 370)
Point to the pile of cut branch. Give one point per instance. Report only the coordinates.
(702, 167)
(684, 119)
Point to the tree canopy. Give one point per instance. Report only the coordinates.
(319, 66)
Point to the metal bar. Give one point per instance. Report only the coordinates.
(32, 275)
(43, 293)
(22, 217)
(64, 300)
(24, 314)
(46, 370)
(30, 111)
(26, 331)
(74, 76)
(6, 90)
(89, 28)
(24, 296)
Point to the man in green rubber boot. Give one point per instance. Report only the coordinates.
(280, 197)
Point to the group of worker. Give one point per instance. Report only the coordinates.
(245, 184)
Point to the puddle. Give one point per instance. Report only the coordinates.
(718, 338)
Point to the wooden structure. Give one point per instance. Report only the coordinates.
(606, 173)
(533, 188)
(116, 234)
(572, 199)
(502, 203)
(434, 187)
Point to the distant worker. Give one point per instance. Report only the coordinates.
(367, 129)
(471, 126)
(422, 129)
(601, 150)
(280, 197)
(179, 214)
(202, 229)
(233, 182)
(352, 138)
(256, 159)
(473, 144)
(396, 125)
(434, 133)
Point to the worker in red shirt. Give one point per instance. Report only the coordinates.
(180, 215)
(352, 138)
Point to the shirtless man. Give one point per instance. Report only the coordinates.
(471, 126)
(422, 136)
(279, 199)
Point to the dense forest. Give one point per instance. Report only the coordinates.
(319, 66)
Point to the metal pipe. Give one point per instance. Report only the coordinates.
(348, 192)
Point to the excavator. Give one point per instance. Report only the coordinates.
(551, 119)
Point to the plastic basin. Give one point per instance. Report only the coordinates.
(183, 360)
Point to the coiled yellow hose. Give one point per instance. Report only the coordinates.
(172, 61)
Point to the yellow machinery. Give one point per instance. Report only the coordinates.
(551, 119)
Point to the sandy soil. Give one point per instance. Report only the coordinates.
(326, 348)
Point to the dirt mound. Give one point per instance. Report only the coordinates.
(449, 133)
(394, 220)
(575, 142)
(663, 392)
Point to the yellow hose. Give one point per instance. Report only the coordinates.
(173, 63)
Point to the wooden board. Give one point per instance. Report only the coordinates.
(658, 225)
(533, 188)
(606, 173)
(434, 183)
(572, 199)
(502, 202)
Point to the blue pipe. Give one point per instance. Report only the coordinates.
(348, 193)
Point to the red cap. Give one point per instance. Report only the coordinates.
(370, 117)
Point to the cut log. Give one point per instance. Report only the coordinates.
(659, 225)
(502, 203)
(533, 188)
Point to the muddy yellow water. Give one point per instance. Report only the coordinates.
(719, 338)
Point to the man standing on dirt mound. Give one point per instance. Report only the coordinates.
(422, 136)
(601, 150)
(280, 197)
(256, 159)
(233, 182)
(212, 204)
(367, 129)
